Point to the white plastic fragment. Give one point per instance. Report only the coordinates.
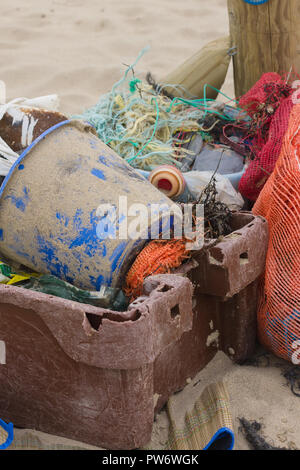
(13, 108)
(198, 180)
(2, 92)
(2, 352)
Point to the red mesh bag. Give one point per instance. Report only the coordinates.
(269, 93)
(258, 93)
(279, 203)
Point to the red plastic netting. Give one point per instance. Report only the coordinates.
(268, 103)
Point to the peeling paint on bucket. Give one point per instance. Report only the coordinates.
(49, 201)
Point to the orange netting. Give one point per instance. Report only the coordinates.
(279, 203)
(158, 257)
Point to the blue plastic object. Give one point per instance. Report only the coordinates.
(9, 428)
(24, 153)
(222, 440)
(50, 200)
(256, 2)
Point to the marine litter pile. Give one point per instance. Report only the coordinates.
(193, 150)
(227, 156)
(198, 151)
(150, 131)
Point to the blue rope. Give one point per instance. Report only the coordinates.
(256, 2)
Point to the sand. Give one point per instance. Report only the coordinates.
(258, 393)
(78, 49)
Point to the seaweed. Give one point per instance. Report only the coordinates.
(156, 87)
(217, 215)
(292, 375)
(251, 431)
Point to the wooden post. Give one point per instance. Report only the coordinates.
(209, 65)
(266, 39)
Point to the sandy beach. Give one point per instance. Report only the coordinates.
(79, 49)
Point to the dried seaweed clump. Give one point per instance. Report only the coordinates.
(251, 431)
(217, 214)
(292, 375)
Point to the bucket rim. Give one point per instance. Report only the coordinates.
(27, 150)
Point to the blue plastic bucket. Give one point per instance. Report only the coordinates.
(49, 208)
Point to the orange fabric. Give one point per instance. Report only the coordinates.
(158, 257)
(279, 203)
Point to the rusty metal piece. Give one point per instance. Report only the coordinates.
(18, 136)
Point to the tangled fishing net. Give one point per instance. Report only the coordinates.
(140, 123)
(158, 257)
(148, 127)
(268, 103)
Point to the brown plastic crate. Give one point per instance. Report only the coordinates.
(99, 376)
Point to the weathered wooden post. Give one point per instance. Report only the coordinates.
(209, 65)
(266, 39)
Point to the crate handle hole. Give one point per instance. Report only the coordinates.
(94, 320)
(244, 258)
(165, 288)
(175, 311)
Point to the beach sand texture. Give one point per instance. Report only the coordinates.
(77, 48)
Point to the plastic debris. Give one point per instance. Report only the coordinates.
(82, 241)
(9, 276)
(6, 434)
(194, 146)
(158, 257)
(269, 105)
(197, 181)
(169, 180)
(142, 125)
(106, 297)
(21, 121)
(279, 203)
(220, 159)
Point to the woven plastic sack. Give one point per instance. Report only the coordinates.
(267, 148)
(279, 203)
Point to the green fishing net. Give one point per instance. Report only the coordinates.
(141, 124)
